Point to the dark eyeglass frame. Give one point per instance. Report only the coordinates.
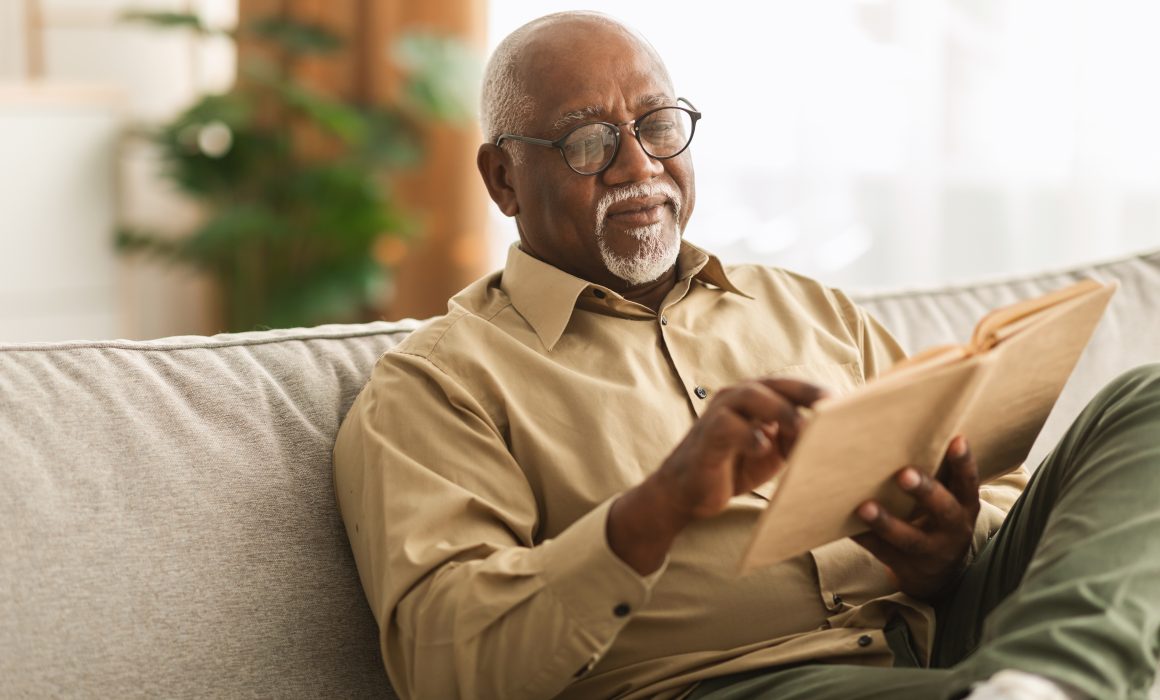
(558, 144)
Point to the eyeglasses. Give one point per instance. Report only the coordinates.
(664, 132)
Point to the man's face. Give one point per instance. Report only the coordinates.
(621, 227)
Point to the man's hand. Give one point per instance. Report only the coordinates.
(925, 554)
(740, 442)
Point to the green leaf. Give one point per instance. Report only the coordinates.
(233, 108)
(130, 241)
(347, 206)
(255, 153)
(337, 292)
(392, 141)
(443, 76)
(170, 20)
(215, 244)
(339, 118)
(335, 116)
(296, 37)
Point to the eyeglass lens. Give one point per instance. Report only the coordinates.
(663, 134)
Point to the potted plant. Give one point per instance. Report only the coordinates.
(295, 182)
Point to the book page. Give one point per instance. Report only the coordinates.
(1031, 367)
(924, 361)
(1002, 322)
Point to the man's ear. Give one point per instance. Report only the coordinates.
(495, 168)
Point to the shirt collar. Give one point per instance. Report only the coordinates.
(546, 296)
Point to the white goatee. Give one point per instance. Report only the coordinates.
(659, 246)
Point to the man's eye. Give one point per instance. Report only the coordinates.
(659, 127)
(659, 132)
(585, 148)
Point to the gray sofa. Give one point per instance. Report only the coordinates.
(167, 520)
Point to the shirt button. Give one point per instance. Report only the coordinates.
(701, 392)
(865, 640)
(664, 321)
(598, 293)
(621, 610)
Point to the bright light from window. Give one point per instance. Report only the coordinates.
(883, 142)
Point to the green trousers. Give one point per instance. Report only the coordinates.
(1068, 588)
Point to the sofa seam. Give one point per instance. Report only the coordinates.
(153, 346)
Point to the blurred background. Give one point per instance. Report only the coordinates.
(173, 167)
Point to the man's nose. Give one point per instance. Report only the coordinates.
(631, 163)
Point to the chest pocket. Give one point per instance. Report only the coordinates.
(837, 378)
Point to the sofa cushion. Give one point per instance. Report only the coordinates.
(1127, 337)
(169, 524)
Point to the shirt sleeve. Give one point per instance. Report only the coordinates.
(876, 346)
(442, 522)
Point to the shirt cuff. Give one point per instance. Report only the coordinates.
(600, 591)
(990, 519)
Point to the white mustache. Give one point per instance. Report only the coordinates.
(638, 190)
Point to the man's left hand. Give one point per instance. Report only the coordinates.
(927, 552)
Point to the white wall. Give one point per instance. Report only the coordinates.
(57, 268)
(70, 170)
(910, 142)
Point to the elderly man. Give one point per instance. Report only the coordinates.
(547, 490)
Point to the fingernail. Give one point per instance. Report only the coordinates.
(909, 479)
(868, 512)
(958, 447)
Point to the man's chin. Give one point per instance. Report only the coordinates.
(640, 255)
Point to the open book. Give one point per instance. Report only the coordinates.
(996, 391)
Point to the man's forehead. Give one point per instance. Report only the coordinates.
(570, 79)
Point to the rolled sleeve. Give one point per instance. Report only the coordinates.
(995, 500)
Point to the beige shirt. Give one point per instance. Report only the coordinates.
(475, 472)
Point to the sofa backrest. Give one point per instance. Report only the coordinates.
(167, 517)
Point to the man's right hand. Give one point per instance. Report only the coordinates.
(740, 442)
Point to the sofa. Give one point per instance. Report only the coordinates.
(167, 517)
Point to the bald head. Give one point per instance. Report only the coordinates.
(510, 81)
(565, 74)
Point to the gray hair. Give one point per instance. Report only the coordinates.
(505, 105)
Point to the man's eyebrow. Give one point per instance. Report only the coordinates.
(577, 115)
(655, 100)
